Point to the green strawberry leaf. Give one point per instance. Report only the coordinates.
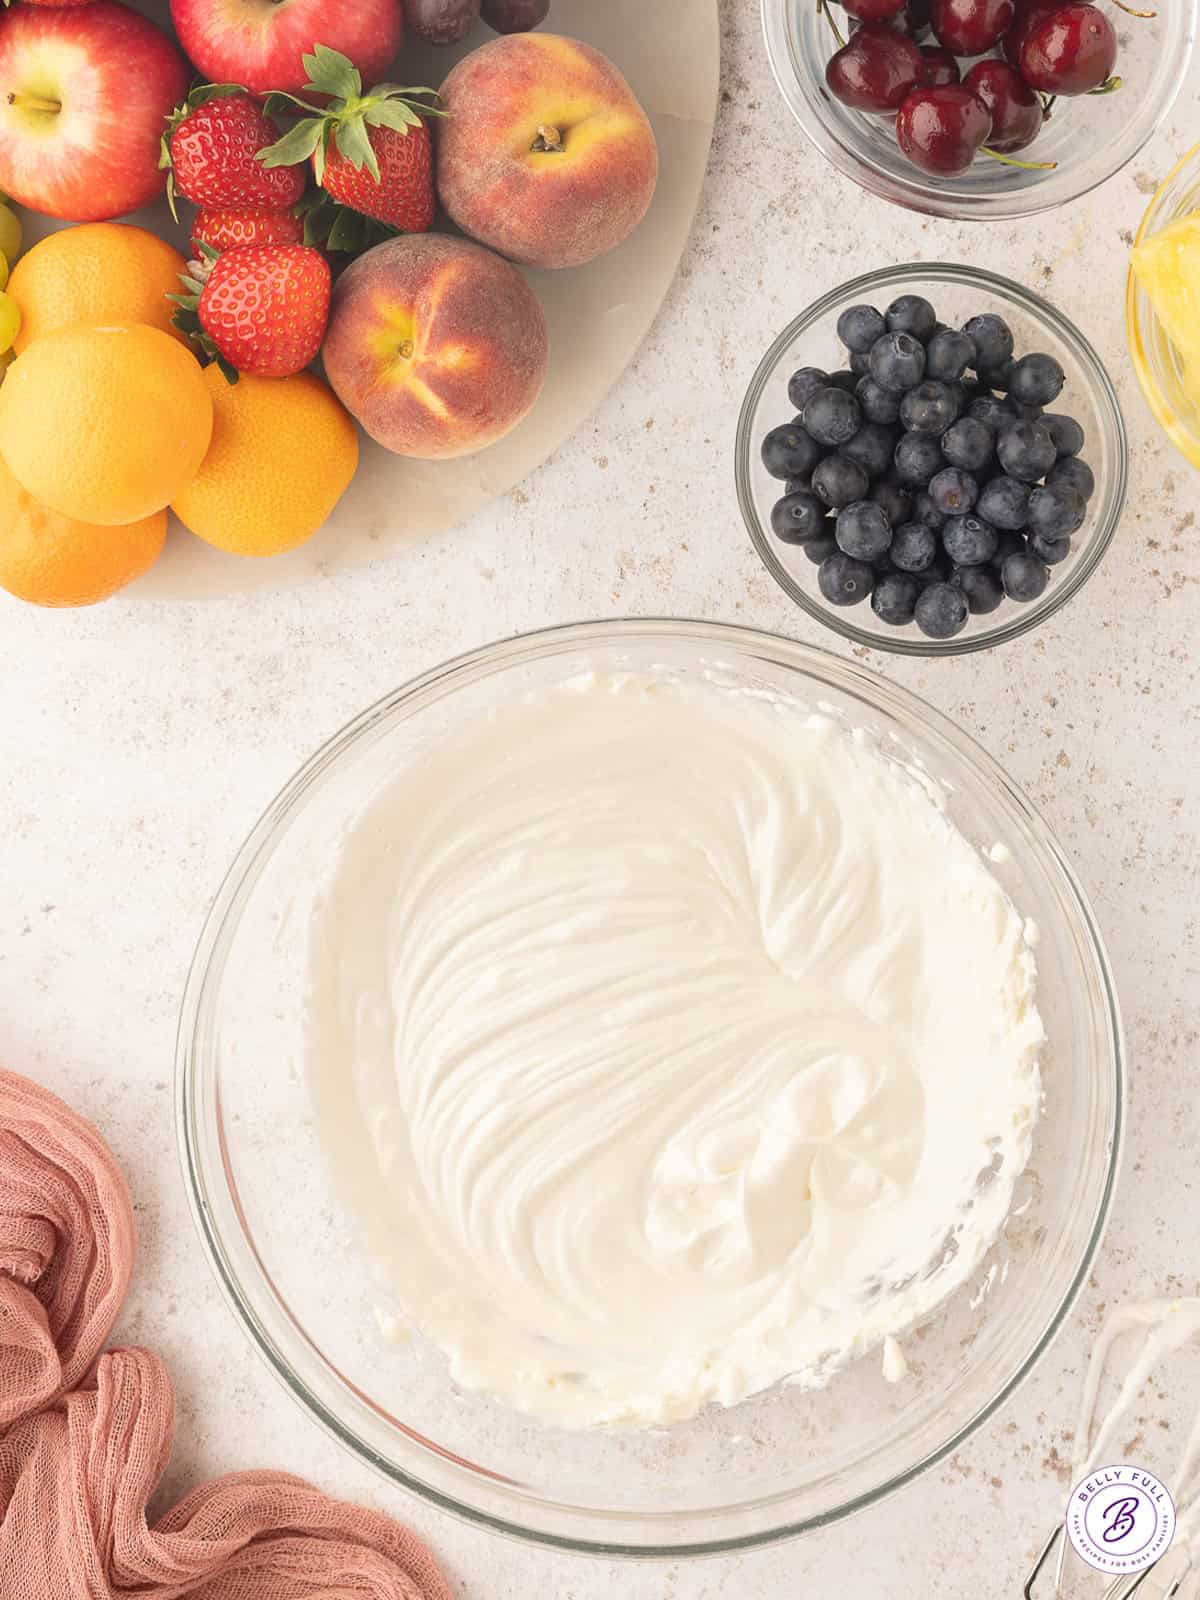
(392, 114)
(228, 371)
(349, 232)
(322, 151)
(299, 143)
(354, 142)
(330, 72)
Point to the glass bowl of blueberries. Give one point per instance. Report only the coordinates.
(931, 460)
(980, 108)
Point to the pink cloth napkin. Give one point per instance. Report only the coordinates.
(85, 1436)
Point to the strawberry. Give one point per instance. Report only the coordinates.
(234, 230)
(370, 152)
(211, 145)
(261, 309)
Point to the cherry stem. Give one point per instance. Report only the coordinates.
(1131, 12)
(823, 8)
(1025, 166)
(1110, 86)
(1048, 106)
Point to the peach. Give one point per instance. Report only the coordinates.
(545, 153)
(436, 345)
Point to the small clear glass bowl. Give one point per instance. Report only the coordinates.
(957, 293)
(1088, 138)
(298, 1278)
(1155, 359)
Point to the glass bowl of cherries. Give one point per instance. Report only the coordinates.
(931, 460)
(980, 108)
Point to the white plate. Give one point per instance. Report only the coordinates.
(597, 315)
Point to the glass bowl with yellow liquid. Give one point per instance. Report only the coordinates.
(1163, 298)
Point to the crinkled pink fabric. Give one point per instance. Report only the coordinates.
(85, 1436)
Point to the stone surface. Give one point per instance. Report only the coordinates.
(141, 740)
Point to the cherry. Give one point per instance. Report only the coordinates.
(941, 130)
(1071, 50)
(1029, 12)
(875, 70)
(873, 10)
(971, 27)
(939, 68)
(1017, 114)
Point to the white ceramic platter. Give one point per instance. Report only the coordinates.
(598, 314)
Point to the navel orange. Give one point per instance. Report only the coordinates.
(52, 560)
(283, 451)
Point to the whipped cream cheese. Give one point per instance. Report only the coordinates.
(680, 1041)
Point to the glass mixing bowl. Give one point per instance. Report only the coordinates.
(1155, 359)
(1088, 138)
(289, 1264)
(957, 293)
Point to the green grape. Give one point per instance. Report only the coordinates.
(10, 321)
(10, 234)
(3, 270)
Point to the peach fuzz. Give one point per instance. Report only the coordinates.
(436, 345)
(545, 153)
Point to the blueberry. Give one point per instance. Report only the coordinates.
(1027, 413)
(1066, 433)
(913, 314)
(953, 491)
(838, 481)
(795, 485)
(863, 530)
(872, 448)
(858, 327)
(941, 611)
(1004, 502)
(894, 600)
(1008, 543)
(998, 377)
(938, 571)
(982, 587)
(832, 416)
(924, 510)
(992, 337)
(917, 458)
(969, 541)
(1049, 551)
(914, 547)
(896, 502)
(969, 444)
(861, 364)
(897, 361)
(790, 451)
(929, 408)
(798, 517)
(878, 404)
(1077, 473)
(991, 410)
(1036, 380)
(803, 383)
(1056, 511)
(948, 354)
(844, 581)
(844, 379)
(821, 548)
(1026, 451)
(1024, 577)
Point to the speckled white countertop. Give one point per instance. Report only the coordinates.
(140, 741)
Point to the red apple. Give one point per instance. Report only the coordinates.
(83, 94)
(261, 43)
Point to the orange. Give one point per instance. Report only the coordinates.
(99, 272)
(105, 424)
(52, 560)
(283, 452)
